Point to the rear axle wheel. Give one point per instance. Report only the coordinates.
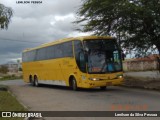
(36, 81)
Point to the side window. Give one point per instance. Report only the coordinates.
(29, 56)
(67, 49)
(32, 55)
(50, 52)
(58, 51)
(24, 57)
(41, 54)
(79, 55)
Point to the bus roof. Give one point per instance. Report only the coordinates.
(68, 39)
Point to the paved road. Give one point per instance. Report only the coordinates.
(56, 98)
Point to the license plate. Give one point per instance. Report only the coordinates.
(109, 83)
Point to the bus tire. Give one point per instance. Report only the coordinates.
(103, 87)
(36, 81)
(74, 84)
(31, 80)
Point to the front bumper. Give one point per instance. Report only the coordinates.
(92, 84)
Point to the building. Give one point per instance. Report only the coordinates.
(147, 58)
(12, 67)
(141, 64)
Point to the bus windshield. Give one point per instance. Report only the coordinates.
(103, 56)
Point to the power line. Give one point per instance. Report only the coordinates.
(4, 39)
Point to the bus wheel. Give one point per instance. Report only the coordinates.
(74, 84)
(103, 87)
(31, 80)
(36, 81)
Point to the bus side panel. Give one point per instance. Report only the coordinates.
(67, 68)
(53, 69)
(27, 71)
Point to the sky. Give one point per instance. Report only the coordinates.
(34, 24)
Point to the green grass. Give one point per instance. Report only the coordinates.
(10, 77)
(8, 102)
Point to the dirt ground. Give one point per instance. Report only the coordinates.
(142, 82)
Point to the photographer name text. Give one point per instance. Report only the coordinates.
(28, 2)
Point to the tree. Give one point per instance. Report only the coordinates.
(20, 69)
(5, 16)
(135, 22)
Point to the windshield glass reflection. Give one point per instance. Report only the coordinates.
(103, 56)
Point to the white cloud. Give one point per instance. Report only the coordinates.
(62, 18)
(77, 34)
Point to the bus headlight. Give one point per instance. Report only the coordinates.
(94, 79)
(120, 76)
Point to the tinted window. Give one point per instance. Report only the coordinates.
(32, 55)
(58, 51)
(29, 56)
(41, 54)
(24, 57)
(50, 52)
(67, 49)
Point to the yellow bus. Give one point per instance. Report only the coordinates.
(80, 62)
